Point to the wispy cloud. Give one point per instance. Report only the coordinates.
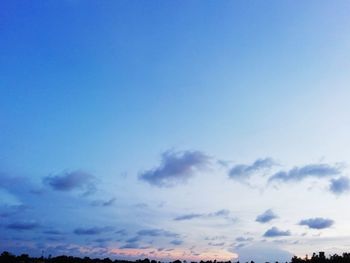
(176, 242)
(92, 230)
(265, 217)
(340, 185)
(310, 170)
(104, 203)
(69, 181)
(275, 232)
(223, 213)
(156, 232)
(213, 244)
(317, 223)
(188, 217)
(133, 239)
(244, 171)
(19, 226)
(175, 168)
(244, 239)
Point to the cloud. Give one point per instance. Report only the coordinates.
(130, 245)
(175, 168)
(176, 242)
(102, 240)
(91, 231)
(310, 170)
(244, 239)
(223, 213)
(265, 217)
(121, 232)
(216, 244)
(133, 246)
(69, 181)
(340, 185)
(133, 239)
(243, 171)
(105, 203)
(263, 253)
(52, 232)
(156, 232)
(22, 226)
(275, 232)
(188, 217)
(317, 223)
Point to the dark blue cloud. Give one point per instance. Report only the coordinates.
(243, 171)
(133, 239)
(52, 232)
(175, 168)
(104, 203)
(275, 232)
(102, 240)
(317, 223)
(340, 185)
(310, 170)
(69, 181)
(130, 245)
(265, 217)
(156, 232)
(22, 226)
(176, 242)
(92, 230)
(188, 217)
(224, 213)
(121, 232)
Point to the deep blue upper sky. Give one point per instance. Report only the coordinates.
(117, 118)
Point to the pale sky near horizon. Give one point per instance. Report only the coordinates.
(175, 129)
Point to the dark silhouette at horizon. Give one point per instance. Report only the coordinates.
(7, 257)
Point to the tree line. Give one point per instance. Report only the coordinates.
(7, 257)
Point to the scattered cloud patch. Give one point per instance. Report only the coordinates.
(244, 239)
(215, 238)
(102, 240)
(104, 203)
(213, 244)
(121, 232)
(188, 217)
(242, 171)
(260, 253)
(133, 239)
(176, 242)
(275, 232)
(156, 232)
(317, 223)
(69, 181)
(310, 170)
(340, 185)
(19, 226)
(224, 213)
(91, 231)
(130, 246)
(265, 217)
(175, 168)
(52, 232)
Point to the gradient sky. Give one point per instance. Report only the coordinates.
(175, 129)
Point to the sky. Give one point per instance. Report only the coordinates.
(175, 129)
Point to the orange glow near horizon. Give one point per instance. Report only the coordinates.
(182, 254)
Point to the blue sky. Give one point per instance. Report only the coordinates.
(174, 129)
